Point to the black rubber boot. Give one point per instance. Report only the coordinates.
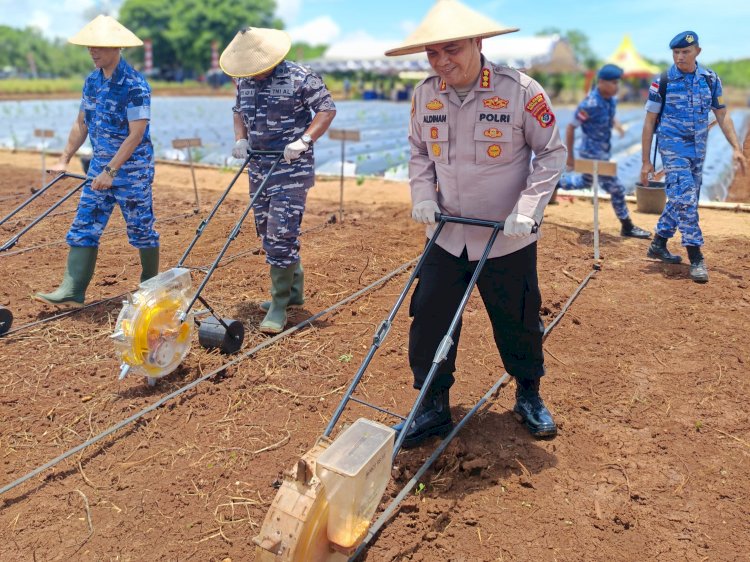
(298, 290)
(433, 418)
(629, 229)
(78, 273)
(698, 269)
(531, 409)
(658, 251)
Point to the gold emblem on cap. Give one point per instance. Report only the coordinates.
(689, 38)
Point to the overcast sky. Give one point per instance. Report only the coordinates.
(722, 29)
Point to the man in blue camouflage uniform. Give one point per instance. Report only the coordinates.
(114, 113)
(273, 111)
(681, 132)
(596, 118)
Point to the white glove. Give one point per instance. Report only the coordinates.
(240, 149)
(294, 149)
(424, 211)
(518, 226)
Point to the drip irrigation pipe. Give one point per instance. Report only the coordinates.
(109, 233)
(205, 377)
(201, 268)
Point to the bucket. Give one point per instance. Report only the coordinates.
(651, 198)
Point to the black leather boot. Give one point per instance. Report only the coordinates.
(629, 229)
(530, 407)
(658, 251)
(698, 269)
(433, 418)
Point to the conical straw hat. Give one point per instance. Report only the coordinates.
(255, 50)
(105, 31)
(449, 20)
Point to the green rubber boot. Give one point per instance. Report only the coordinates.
(281, 292)
(149, 263)
(77, 276)
(298, 290)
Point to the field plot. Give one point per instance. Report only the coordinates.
(647, 377)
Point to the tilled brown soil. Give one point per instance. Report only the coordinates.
(647, 377)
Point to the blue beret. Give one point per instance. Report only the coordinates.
(610, 72)
(683, 40)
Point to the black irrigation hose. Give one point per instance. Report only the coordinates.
(396, 501)
(65, 313)
(205, 377)
(26, 220)
(109, 233)
(62, 314)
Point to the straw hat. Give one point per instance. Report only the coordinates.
(255, 50)
(449, 20)
(105, 31)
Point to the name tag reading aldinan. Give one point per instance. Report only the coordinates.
(435, 118)
(280, 91)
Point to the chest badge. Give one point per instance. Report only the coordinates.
(494, 151)
(493, 133)
(434, 105)
(495, 103)
(436, 150)
(433, 132)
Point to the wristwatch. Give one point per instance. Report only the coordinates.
(111, 172)
(307, 139)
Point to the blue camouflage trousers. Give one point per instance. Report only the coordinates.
(95, 208)
(683, 185)
(609, 184)
(278, 220)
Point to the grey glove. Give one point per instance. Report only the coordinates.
(240, 149)
(424, 211)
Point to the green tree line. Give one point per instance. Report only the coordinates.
(51, 58)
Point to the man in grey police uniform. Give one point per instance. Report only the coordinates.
(115, 113)
(275, 101)
(474, 126)
(692, 91)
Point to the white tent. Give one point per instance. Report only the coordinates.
(549, 54)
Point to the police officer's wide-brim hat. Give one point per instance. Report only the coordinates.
(105, 31)
(449, 20)
(255, 50)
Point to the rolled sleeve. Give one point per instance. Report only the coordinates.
(717, 100)
(139, 104)
(315, 94)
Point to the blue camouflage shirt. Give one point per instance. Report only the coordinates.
(596, 117)
(278, 109)
(108, 106)
(690, 98)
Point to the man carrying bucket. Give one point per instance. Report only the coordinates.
(691, 92)
(473, 128)
(596, 118)
(273, 111)
(115, 113)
